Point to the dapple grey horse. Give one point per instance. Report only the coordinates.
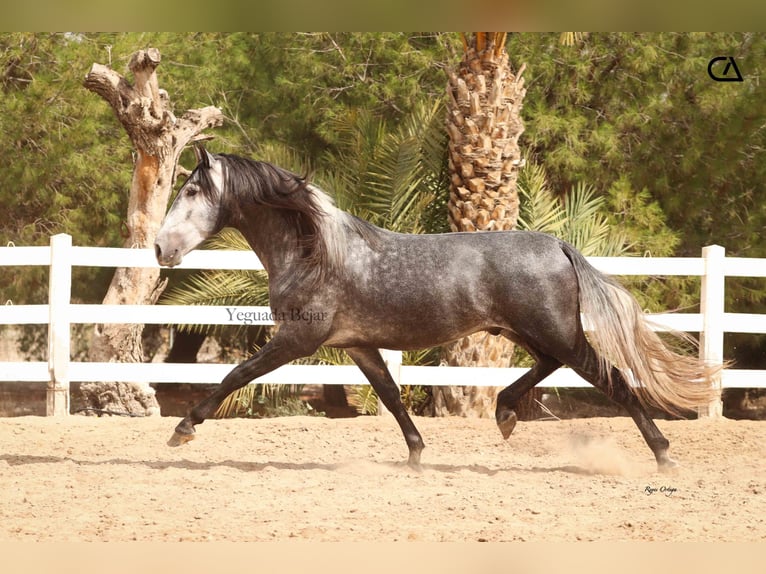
(378, 289)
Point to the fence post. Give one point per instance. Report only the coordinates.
(712, 309)
(393, 360)
(59, 296)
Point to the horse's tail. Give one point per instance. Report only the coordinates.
(622, 337)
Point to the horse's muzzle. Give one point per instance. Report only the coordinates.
(165, 258)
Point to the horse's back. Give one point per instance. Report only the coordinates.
(424, 290)
(487, 264)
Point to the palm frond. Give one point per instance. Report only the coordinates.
(285, 157)
(388, 176)
(259, 400)
(579, 219)
(586, 226)
(540, 209)
(220, 288)
(228, 239)
(359, 134)
(327, 356)
(364, 399)
(393, 182)
(237, 403)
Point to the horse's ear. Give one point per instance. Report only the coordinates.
(202, 156)
(209, 158)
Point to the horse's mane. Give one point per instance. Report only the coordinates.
(321, 227)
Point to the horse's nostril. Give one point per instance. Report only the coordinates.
(157, 251)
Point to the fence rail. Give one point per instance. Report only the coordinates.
(60, 314)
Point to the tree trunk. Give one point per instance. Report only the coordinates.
(185, 347)
(159, 138)
(484, 125)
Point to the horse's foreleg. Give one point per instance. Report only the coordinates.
(505, 415)
(272, 355)
(374, 368)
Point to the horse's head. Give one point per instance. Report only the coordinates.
(195, 214)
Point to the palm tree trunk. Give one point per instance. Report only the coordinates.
(484, 124)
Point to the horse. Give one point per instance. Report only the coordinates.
(373, 289)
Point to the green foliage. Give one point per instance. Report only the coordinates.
(391, 175)
(641, 108)
(677, 158)
(291, 87)
(579, 218)
(642, 221)
(53, 133)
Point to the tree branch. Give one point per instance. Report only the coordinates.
(142, 110)
(111, 86)
(144, 64)
(188, 127)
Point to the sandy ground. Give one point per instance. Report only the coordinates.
(114, 479)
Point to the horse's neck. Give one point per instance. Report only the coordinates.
(271, 238)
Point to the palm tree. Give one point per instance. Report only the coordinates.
(484, 125)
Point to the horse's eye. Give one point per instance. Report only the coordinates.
(191, 192)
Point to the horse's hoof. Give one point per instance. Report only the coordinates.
(178, 439)
(414, 461)
(506, 422)
(667, 465)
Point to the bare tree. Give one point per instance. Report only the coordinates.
(159, 137)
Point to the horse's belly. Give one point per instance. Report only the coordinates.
(402, 333)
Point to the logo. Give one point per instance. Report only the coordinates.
(721, 72)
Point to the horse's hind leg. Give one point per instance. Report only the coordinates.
(374, 368)
(505, 415)
(652, 435)
(621, 394)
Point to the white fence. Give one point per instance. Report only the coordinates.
(59, 314)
